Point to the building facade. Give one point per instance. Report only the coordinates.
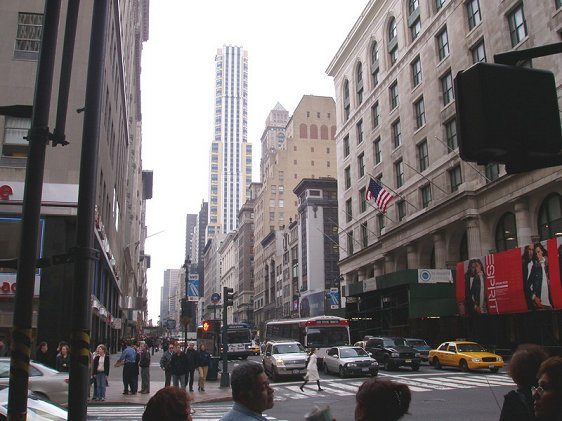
(231, 153)
(396, 121)
(118, 292)
(307, 151)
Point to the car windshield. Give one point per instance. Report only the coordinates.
(353, 352)
(417, 342)
(288, 349)
(395, 342)
(470, 348)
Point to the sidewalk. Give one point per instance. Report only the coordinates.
(114, 394)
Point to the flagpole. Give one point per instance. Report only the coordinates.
(468, 163)
(430, 182)
(393, 191)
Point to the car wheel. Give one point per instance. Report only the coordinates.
(415, 367)
(436, 363)
(342, 373)
(326, 371)
(463, 365)
(387, 364)
(494, 369)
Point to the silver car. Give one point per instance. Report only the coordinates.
(44, 381)
(284, 359)
(350, 360)
(37, 408)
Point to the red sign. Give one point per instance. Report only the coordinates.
(513, 281)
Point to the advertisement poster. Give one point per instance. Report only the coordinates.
(514, 281)
(193, 287)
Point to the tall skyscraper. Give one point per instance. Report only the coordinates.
(231, 154)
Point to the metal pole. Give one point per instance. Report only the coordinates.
(85, 254)
(186, 264)
(225, 376)
(25, 278)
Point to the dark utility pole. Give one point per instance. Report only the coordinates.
(38, 138)
(85, 253)
(227, 301)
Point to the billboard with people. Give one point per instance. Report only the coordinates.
(514, 281)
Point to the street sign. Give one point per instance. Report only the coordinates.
(215, 297)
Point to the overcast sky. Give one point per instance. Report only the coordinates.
(290, 45)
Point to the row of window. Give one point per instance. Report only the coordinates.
(517, 29)
(549, 224)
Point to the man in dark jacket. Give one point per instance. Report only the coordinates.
(144, 364)
(166, 364)
(191, 364)
(178, 367)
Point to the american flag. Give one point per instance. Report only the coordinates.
(379, 193)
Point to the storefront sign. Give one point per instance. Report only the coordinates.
(8, 285)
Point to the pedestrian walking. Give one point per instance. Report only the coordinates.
(203, 361)
(166, 364)
(144, 364)
(100, 372)
(312, 371)
(43, 356)
(179, 367)
(191, 364)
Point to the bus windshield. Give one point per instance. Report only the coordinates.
(322, 337)
(239, 336)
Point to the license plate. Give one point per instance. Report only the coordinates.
(408, 361)
(365, 369)
(490, 366)
(296, 371)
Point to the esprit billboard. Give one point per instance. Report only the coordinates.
(514, 281)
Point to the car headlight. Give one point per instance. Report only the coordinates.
(395, 354)
(477, 360)
(417, 354)
(500, 359)
(280, 363)
(374, 363)
(351, 365)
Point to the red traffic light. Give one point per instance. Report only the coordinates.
(206, 326)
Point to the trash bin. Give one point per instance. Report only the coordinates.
(213, 372)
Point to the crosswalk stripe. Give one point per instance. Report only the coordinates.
(483, 381)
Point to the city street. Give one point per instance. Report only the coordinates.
(444, 394)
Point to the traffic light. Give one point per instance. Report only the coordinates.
(206, 326)
(228, 297)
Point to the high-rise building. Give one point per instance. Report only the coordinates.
(231, 154)
(118, 288)
(190, 223)
(171, 295)
(396, 119)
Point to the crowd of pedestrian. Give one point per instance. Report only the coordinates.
(179, 366)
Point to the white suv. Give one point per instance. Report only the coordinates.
(284, 359)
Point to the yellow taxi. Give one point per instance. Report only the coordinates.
(465, 355)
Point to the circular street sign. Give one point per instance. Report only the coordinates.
(215, 298)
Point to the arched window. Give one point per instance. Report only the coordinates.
(303, 131)
(313, 131)
(550, 217)
(506, 232)
(393, 41)
(463, 248)
(375, 64)
(359, 82)
(324, 135)
(346, 101)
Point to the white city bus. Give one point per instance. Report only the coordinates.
(320, 332)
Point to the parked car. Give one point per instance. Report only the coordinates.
(465, 355)
(421, 346)
(38, 409)
(284, 359)
(255, 349)
(350, 360)
(393, 352)
(43, 381)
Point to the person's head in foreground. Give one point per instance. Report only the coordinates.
(170, 404)
(548, 394)
(381, 400)
(525, 363)
(250, 387)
